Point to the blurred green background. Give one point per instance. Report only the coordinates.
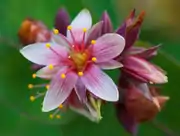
(20, 117)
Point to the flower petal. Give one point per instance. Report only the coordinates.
(144, 69)
(127, 120)
(148, 53)
(133, 30)
(60, 40)
(142, 88)
(38, 53)
(107, 24)
(139, 106)
(80, 90)
(130, 29)
(62, 21)
(112, 64)
(94, 32)
(122, 30)
(131, 36)
(100, 84)
(82, 20)
(47, 73)
(60, 89)
(90, 114)
(133, 75)
(108, 47)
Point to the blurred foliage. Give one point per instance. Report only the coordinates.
(20, 117)
(161, 15)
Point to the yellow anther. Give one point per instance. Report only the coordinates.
(60, 106)
(56, 31)
(151, 82)
(69, 27)
(84, 29)
(48, 45)
(94, 59)
(51, 66)
(47, 87)
(80, 73)
(93, 42)
(32, 98)
(51, 116)
(58, 116)
(63, 75)
(33, 75)
(30, 86)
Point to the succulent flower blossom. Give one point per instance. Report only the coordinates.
(32, 31)
(135, 60)
(140, 103)
(75, 62)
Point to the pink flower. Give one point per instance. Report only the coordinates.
(143, 70)
(90, 109)
(32, 31)
(140, 103)
(135, 59)
(75, 62)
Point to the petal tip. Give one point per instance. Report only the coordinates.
(21, 51)
(113, 98)
(85, 10)
(47, 107)
(44, 109)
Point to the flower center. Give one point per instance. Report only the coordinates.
(79, 59)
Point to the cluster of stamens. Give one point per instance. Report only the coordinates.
(56, 113)
(75, 48)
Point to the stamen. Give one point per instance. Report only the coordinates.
(97, 106)
(51, 116)
(47, 87)
(150, 82)
(58, 116)
(80, 73)
(33, 98)
(83, 40)
(51, 66)
(60, 106)
(93, 42)
(33, 75)
(94, 59)
(48, 45)
(69, 27)
(74, 41)
(63, 76)
(56, 31)
(31, 86)
(84, 30)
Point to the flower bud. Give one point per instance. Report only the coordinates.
(32, 31)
